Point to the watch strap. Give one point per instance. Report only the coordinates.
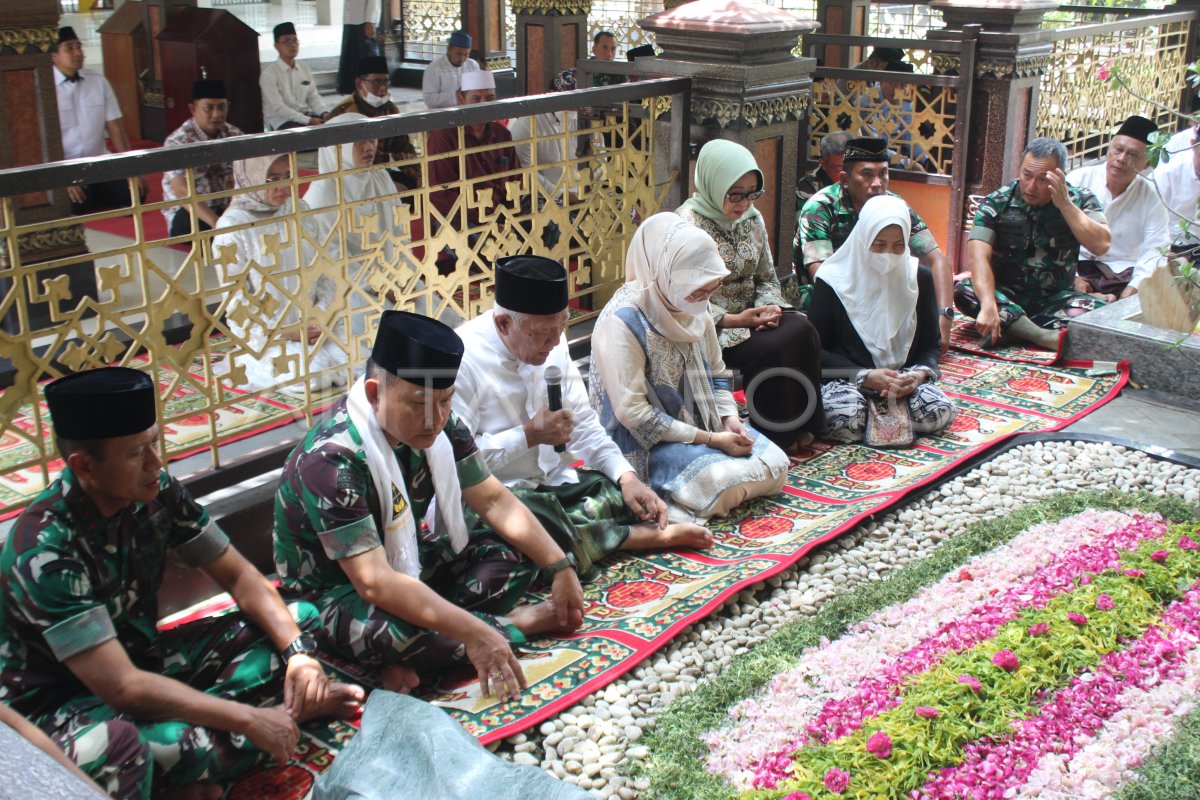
(301, 644)
(550, 570)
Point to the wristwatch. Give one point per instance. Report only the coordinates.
(568, 561)
(301, 644)
(947, 312)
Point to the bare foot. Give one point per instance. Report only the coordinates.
(344, 701)
(401, 680)
(532, 620)
(677, 534)
(197, 791)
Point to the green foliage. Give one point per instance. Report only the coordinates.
(1173, 772)
(677, 753)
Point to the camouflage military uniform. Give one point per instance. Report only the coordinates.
(809, 185)
(72, 580)
(825, 223)
(1033, 258)
(327, 509)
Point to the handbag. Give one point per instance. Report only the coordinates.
(889, 423)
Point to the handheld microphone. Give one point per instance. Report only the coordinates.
(554, 396)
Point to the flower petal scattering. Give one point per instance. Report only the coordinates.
(992, 684)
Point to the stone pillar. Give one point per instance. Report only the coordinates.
(551, 36)
(486, 22)
(28, 28)
(1009, 62)
(747, 87)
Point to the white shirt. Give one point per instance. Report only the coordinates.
(442, 79)
(495, 395)
(289, 94)
(360, 12)
(85, 106)
(1181, 192)
(552, 156)
(1137, 219)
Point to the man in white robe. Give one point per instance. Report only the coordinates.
(443, 76)
(1137, 217)
(502, 397)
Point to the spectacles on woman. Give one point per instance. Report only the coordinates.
(741, 197)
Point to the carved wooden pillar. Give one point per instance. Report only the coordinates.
(1008, 71)
(747, 87)
(486, 22)
(846, 17)
(28, 28)
(551, 36)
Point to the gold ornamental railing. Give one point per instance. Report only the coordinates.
(1082, 111)
(267, 318)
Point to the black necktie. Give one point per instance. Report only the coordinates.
(76, 78)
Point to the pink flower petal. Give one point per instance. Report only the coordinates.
(1160, 556)
(1006, 660)
(1078, 619)
(879, 745)
(972, 681)
(1105, 603)
(836, 780)
(1040, 629)
(926, 712)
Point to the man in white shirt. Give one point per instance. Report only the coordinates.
(1136, 216)
(443, 76)
(87, 111)
(1179, 182)
(502, 397)
(289, 90)
(552, 154)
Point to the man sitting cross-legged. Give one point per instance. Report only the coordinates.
(501, 396)
(1023, 248)
(1136, 215)
(348, 532)
(79, 651)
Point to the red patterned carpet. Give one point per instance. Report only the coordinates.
(643, 600)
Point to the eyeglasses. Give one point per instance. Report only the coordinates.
(741, 197)
(375, 81)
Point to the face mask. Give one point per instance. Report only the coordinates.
(695, 309)
(374, 101)
(883, 263)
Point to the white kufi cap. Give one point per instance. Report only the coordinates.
(479, 79)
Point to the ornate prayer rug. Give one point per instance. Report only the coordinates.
(1054, 664)
(245, 414)
(964, 337)
(641, 601)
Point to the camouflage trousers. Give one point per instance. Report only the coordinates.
(226, 657)
(1050, 311)
(588, 519)
(487, 578)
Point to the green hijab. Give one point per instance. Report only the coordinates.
(721, 164)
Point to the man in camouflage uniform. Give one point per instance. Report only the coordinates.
(80, 654)
(827, 218)
(392, 594)
(829, 168)
(501, 396)
(1023, 248)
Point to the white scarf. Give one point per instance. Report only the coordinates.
(882, 307)
(399, 527)
(668, 259)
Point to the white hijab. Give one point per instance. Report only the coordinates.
(356, 187)
(882, 306)
(668, 259)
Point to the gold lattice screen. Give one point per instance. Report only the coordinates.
(282, 308)
(918, 121)
(1081, 111)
